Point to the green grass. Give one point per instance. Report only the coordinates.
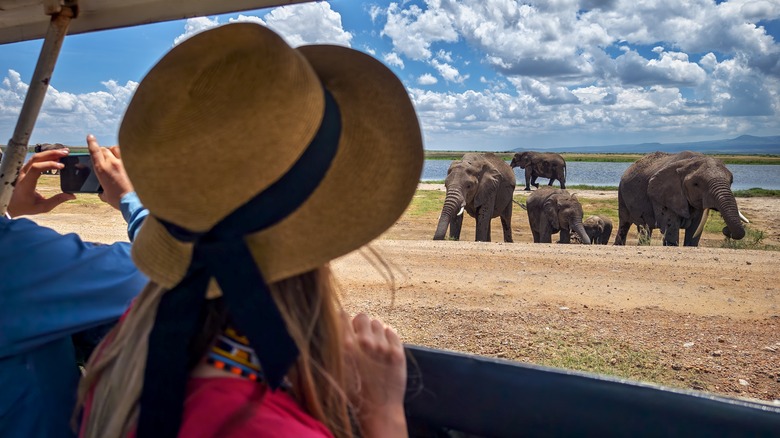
(757, 192)
(425, 202)
(752, 240)
(577, 351)
(574, 188)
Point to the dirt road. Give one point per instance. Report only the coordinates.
(700, 318)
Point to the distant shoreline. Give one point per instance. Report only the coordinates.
(612, 158)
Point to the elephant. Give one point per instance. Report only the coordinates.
(598, 228)
(543, 165)
(551, 210)
(482, 185)
(41, 147)
(676, 191)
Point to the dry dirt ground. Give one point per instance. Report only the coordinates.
(699, 318)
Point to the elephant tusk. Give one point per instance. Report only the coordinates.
(743, 218)
(703, 221)
(462, 209)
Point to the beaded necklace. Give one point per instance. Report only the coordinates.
(231, 352)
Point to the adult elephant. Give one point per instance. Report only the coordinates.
(482, 185)
(543, 165)
(676, 191)
(598, 228)
(552, 210)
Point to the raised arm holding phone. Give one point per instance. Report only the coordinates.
(53, 287)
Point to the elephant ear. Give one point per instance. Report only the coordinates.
(550, 208)
(666, 189)
(488, 186)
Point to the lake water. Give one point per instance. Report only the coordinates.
(746, 176)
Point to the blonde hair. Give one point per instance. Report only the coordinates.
(311, 310)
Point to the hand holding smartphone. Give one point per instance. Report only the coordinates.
(78, 175)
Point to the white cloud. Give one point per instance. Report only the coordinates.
(67, 117)
(427, 79)
(448, 72)
(299, 24)
(670, 68)
(413, 30)
(194, 26)
(393, 59)
(309, 23)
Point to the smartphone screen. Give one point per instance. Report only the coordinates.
(78, 176)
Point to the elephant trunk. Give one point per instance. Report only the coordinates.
(453, 203)
(727, 206)
(580, 230)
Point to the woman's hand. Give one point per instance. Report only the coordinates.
(26, 199)
(109, 171)
(379, 361)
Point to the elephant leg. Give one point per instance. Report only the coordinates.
(689, 240)
(565, 236)
(545, 232)
(622, 233)
(536, 236)
(528, 178)
(672, 235)
(455, 226)
(484, 214)
(669, 224)
(506, 223)
(552, 180)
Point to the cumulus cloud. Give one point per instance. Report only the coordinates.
(427, 79)
(195, 26)
(448, 72)
(68, 117)
(610, 65)
(413, 30)
(393, 59)
(300, 24)
(670, 68)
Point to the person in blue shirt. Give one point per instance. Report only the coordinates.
(56, 289)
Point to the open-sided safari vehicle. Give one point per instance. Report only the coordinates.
(449, 394)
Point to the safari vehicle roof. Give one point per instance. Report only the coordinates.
(26, 19)
(446, 391)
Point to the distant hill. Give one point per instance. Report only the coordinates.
(744, 144)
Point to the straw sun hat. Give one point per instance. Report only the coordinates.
(228, 112)
(257, 162)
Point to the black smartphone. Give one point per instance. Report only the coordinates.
(78, 175)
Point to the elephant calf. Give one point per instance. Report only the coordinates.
(598, 228)
(552, 210)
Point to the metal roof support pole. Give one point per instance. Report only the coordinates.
(15, 153)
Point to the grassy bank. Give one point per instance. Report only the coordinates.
(426, 206)
(614, 158)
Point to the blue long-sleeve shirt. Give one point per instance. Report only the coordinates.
(53, 286)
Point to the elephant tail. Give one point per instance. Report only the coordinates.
(521, 205)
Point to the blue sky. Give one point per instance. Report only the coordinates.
(483, 74)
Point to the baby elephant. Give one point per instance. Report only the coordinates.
(551, 210)
(598, 228)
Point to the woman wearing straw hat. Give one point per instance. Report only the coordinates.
(239, 332)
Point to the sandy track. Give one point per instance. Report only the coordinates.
(701, 318)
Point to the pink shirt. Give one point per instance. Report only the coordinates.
(227, 407)
(221, 407)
